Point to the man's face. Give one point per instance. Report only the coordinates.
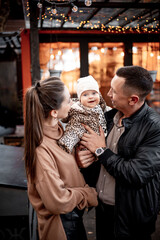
(119, 99)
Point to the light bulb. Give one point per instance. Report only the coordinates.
(102, 50)
(74, 8)
(39, 5)
(59, 52)
(88, 3)
(52, 56)
(122, 54)
(54, 11)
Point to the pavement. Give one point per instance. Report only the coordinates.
(89, 222)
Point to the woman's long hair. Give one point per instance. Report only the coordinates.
(39, 101)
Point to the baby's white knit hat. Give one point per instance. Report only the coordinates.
(86, 83)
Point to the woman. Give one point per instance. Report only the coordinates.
(56, 188)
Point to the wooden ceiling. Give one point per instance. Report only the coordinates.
(107, 16)
(103, 16)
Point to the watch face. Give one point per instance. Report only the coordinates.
(99, 150)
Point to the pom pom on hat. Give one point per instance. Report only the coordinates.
(86, 83)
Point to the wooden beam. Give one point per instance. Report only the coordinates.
(90, 17)
(34, 41)
(66, 16)
(110, 5)
(42, 12)
(93, 32)
(115, 16)
(26, 60)
(143, 23)
(127, 53)
(84, 58)
(136, 17)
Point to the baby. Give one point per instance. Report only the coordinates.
(88, 109)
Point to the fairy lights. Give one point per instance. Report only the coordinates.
(88, 2)
(54, 12)
(59, 3)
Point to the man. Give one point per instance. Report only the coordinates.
(129, 181)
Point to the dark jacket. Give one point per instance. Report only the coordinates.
(136, 169)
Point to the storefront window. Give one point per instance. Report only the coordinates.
(104, 60)
(147, 55)
(62, 60)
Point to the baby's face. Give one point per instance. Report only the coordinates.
(90, 98)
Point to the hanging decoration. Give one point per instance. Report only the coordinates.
(55, 10)
(59, 3)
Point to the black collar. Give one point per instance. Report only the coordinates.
(130, 120)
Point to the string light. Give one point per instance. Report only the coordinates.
(102, 50)
(88, 24)
(70, 51)
(74, 8)
(52, 56)
(39, 5)
(54, 11)
(122, 54)
(134, 49)
(59, 52)
(88, 3)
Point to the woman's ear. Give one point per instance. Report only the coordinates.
(133, 100)
(54, 113)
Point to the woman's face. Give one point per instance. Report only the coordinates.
(66, 105)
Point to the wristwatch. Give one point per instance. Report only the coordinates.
(100, 150)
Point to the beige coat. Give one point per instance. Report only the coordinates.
(58, 188)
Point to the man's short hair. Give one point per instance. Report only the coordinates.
(137, 79)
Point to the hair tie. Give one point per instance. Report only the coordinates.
(37, 85)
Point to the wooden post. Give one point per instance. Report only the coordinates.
(26, 60)
(127, 53)
(84, 58)
(34, 41)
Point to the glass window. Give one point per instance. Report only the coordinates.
(104, 60)
(147, 55)
(62, 60)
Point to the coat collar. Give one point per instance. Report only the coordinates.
(128, 121)
(54, 132)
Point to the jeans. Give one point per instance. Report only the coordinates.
(73, 225)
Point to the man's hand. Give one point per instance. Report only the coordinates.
(92, 140)
(84, 158)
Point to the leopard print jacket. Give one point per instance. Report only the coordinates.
(93, 117)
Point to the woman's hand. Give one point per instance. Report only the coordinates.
(92, 140)
(84, 157)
